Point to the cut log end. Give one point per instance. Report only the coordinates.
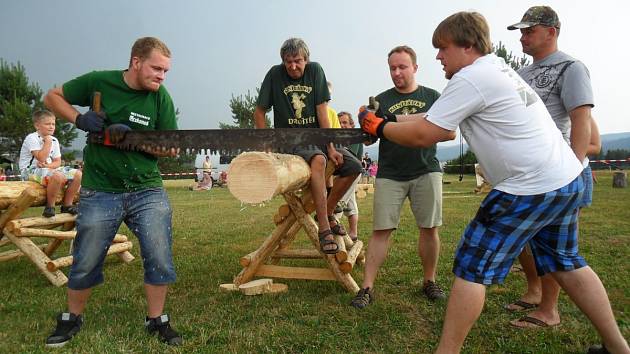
(256, 177)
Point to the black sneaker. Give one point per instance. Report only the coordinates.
(68, 325)
(70, 209)
(161, 325)
(432, 291)
(363, 298)
(49, 212)
(597, 349)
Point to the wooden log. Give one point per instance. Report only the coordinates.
(348, 241)
(361, 258)
(4, 241)
(277, 218)
(286, 241)
(297, 254)
(21, 203)
(228, 287)
(347, 266)
(55, 243)
(13, 254)
(311, 231)
(278, 288)
(40, 222)
(54, 265)
(62, 235)
(620, 179)
(264, 251)
(274, 271)
(11, 190)
(256, 287)
(342, 254)
(284, 210)
(38, 258)
(125, 257)
(256, 177)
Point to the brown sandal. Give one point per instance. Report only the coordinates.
(338, 229)
(326, 240)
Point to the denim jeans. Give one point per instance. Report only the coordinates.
(147, 213)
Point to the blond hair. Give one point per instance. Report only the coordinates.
(40, 114)
(143, 47)
(464, 29)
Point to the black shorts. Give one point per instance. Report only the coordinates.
(351, 165)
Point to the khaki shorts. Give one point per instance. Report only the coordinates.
(349, 201)
(425, 197)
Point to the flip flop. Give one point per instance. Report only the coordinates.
(524, 306)
(531, 322)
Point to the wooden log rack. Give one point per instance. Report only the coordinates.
(256, 177)
(15, 198)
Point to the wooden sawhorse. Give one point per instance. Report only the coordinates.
(16, 197)
(291, 173)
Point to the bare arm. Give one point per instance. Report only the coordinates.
(322, 115)
(42, 154)
(580, 130)
(595, 143)
(417, 133)
(55, 101)
(259, 118)
(56, 162)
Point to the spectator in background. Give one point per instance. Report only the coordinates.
(349, 202)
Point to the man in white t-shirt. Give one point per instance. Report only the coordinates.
(536, 177)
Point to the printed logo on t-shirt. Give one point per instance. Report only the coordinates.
(139, 118)
(407, 107)
(544, 78)
(297, 95)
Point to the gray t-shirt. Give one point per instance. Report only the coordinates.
(563, 83)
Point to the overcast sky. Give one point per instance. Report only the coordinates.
(224, 48)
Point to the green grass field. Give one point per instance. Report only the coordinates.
(212, 230)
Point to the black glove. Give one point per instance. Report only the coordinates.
(116, 133)
(90, 121)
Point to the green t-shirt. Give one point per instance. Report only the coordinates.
(294, 101)
(398, 162)
(356, 150)
(108, 169)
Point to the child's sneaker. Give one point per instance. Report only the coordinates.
(68, 325)
(49, 212)
(70, 209)
(161, 325)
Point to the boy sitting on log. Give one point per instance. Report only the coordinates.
(40, 161)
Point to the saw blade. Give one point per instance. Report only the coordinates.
(234, 141)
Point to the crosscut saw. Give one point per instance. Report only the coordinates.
(232, 142)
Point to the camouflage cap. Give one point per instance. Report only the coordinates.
(537, 15)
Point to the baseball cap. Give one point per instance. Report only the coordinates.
(537, 15)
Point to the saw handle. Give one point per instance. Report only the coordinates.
(373, 106)
(96, 107)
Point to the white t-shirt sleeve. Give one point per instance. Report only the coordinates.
(459, 100)
(55, 150)
(33, 142)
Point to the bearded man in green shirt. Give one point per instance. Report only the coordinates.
(405, 172)
(121, 185)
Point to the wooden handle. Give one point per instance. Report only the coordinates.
(96, 101)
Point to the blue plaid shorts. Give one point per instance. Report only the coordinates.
(505, 223)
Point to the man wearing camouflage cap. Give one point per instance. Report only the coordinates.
(564, 85)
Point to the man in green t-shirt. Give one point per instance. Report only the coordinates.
(297, 91)
(404, 172)
(121, 185)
